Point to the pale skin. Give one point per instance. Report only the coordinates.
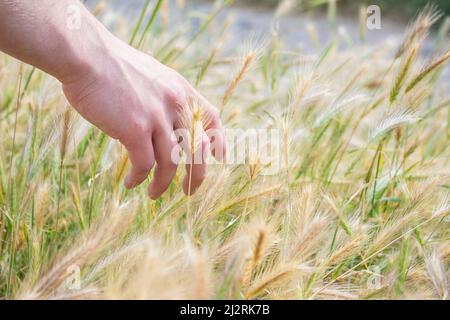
(127, 94)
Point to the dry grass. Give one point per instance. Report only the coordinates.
(358, 210)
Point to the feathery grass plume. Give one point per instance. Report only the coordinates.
(261, 238)
(251, 53)
(434, 264)
(285, 128)
(258, 248)
(230, 241)
(348, 250)
(254, 169)
(201, 266)
(305, 202)
(11, 181)
(65, 133)
(76, 196)
(95, 242)
(416, 98)
(16, 115)
(370, 254)
(301, 93)
(317, 96)
(308, 224)
(267, 280)
(233, 256)
(211, 200)
(403, 73)
(120, 168)
(392, 121)
(339, 293)
(443, 207)
(82, 294)
(42, 206)
(155, 272)
(337, 107)
(415, 211)
(252, 197)
(192, 118)
(337, 211)
(427, 70)
(134, 246)
(418, 31)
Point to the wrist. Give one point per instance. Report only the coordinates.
(85, 48)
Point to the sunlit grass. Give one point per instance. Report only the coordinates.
(358, 210)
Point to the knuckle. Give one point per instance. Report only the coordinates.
(177, 92)
(174, 95)
(136, 127)
(134, 132)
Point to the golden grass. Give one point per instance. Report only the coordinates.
(358, 210)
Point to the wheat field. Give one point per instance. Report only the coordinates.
(358, 208)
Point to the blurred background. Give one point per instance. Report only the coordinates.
(302, 25)
(405, 8)
(294, 20)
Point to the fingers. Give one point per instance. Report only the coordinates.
(214, 129)
(162, 147)
(166, 154)
(196, 167)
(141, 155)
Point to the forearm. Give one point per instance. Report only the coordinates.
(59, 37)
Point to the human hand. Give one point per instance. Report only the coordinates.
(139, 101)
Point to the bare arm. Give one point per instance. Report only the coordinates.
(127, 94)
(43, 33)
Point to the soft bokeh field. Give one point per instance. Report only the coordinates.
(358, 209)
(403, 7)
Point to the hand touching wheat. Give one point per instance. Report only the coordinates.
(127, 94)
